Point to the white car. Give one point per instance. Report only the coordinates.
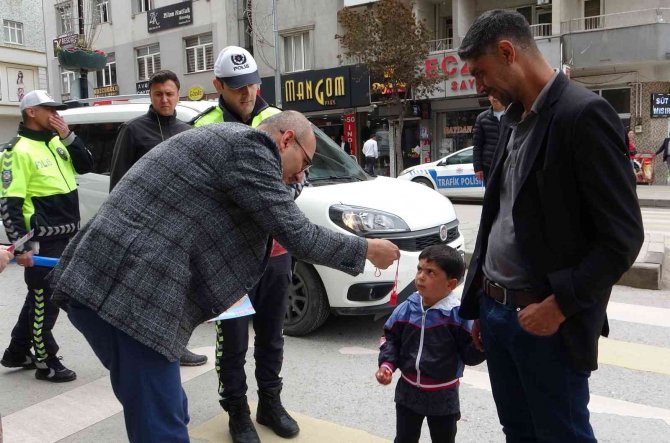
(341, 197)
(453, 176)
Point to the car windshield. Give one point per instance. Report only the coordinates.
(331, 163)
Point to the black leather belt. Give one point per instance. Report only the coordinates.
(510, 296)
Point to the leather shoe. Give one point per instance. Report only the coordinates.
(188, 358)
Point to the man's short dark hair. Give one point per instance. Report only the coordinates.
(163, 76)
(447, 258)
(491, 27)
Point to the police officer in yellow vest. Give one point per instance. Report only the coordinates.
(39, 193)
(237, 82)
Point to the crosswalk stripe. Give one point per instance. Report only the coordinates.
(77, 409)
(634, 356)
(597, 404)
(638, 314)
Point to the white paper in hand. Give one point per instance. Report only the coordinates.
(241, 308)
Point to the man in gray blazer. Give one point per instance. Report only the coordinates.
(181, 238)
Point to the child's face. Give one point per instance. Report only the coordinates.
(432, 282)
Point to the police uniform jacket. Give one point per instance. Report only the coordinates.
(39, 190)
(186, 233)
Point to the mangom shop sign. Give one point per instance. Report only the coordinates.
(168, 17)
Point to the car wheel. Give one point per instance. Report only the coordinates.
(308, 305)
(424, 181)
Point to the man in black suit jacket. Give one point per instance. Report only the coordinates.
(560, 225)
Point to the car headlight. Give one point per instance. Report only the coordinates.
(366, 221)
(405, 171)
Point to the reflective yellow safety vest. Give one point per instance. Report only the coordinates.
(215, 115)
(39, 190)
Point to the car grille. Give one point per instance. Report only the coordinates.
(419, 240)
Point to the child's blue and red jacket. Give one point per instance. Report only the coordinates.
(429, 346)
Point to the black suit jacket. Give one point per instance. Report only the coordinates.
(576, 216)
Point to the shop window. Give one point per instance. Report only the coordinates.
(454, 131)
(618, 98)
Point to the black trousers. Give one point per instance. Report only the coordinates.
(38, 314)
(270, 299)
(370, 165)
(408, 426)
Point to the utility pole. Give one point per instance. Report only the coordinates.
(278, 98)
(83, 73)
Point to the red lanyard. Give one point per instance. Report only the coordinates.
(394, 292)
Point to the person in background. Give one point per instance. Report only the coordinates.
(560, 224)
(371, 153)
(632, 150)
(140, 135)
(175, 259)
(665, 151)
(39, 193)
(486, 133)
(429, 343)
(237, 81)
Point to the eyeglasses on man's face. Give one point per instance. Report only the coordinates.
(307, 162)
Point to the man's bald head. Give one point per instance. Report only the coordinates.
(294, 136)
(288, 120)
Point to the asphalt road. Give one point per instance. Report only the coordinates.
(329, 381)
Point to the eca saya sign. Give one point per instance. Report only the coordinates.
(458, 81)
(336, 88)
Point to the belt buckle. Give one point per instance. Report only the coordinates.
(504, 300)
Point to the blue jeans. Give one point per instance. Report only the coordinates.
(538, 394)
(147, 384)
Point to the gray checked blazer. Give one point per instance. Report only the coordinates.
(185, 234)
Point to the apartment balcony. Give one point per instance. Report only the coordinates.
(641, 36)
(443, 44)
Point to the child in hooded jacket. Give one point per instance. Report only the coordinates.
(429, 343)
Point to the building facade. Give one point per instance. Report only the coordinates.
(22, 59)
(617, 48)
(141, 37)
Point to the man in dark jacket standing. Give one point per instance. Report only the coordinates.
(140, 135)
(486, 134)
(560, 224)
(39, 194)
(152, 264)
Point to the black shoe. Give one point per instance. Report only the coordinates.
(11, 359)
(53, 370)
(241, 427)
(271, 413)
(188, 358)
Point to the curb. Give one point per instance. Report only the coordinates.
(654, 203)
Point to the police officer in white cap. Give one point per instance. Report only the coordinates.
(237, 82)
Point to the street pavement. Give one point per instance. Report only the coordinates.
(329, 378)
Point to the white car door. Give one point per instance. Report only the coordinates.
(455, 176)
